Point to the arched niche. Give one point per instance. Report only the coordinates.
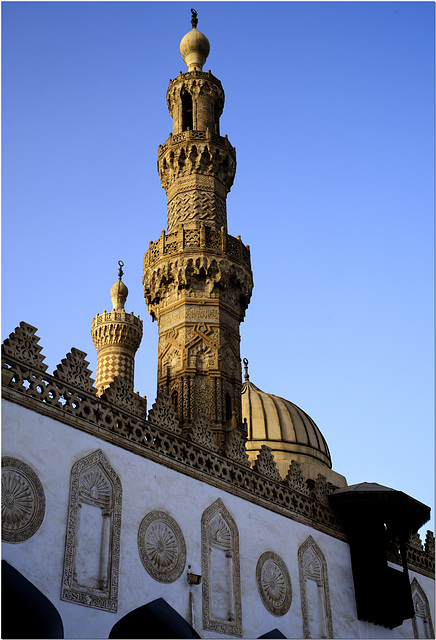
(422, 622)
(92, 546)
(222, 611)
(314, 590)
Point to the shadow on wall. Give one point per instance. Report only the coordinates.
(26, 612)
(156, 619)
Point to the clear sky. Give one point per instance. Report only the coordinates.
(330, 107)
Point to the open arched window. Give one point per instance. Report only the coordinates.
(228, 407)
(186, 111)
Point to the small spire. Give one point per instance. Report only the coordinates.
(246, 377)
(120, 270)
(194, 20)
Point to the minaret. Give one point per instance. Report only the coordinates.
(117, 336)
(197, 278)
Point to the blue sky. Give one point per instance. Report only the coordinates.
(330, 107)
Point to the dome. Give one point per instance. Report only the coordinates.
(194, 48)
(288, 431)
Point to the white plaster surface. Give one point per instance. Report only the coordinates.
(51, 448)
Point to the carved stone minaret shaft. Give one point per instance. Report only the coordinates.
(116, 336)
(197, 278)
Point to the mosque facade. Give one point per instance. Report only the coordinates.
(216, 511)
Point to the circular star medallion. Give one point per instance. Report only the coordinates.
(23, 501)
(161, 546)
(274, 583)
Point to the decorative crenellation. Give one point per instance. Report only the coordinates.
(22, 344)
(119, 394)
(74, 369)
(266, 465)
(295, 478)
(429, 543)
(163, 413)
(160, 439)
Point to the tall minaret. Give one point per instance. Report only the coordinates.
(197, 278)
(116, 336)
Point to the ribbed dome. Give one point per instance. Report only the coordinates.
(281, 425)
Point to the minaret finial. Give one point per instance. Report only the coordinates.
(246, 377)
(120, 270)
(194, 20)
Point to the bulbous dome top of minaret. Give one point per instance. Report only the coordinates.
(194, 46)
(119, 291)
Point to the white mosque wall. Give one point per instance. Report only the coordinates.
(51, 448)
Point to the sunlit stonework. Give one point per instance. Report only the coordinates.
(274, 583)
(23, 501)
(161, 546)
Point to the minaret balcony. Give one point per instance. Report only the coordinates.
(189, 135)
(197, 237)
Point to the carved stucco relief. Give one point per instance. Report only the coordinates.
(222, 609)
(161, 546)
(92, 546)
(422, 622)
(23, 501)
(274, 583)
(314, 590)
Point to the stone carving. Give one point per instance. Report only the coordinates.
(222, 610)
(163, 413)
(110, 423)
(22, 345)
(119, 393)
(421, 621)
(295, 478)
(429, 543)
(116, 336)
(74, 370)
(314, 590)
(202, 434)
(274, 583)
(23, 501)
(162, 546)
(235, 447)
(322, 490)
(190, 206)
(92, 548)
(415, 541)
(266, 465)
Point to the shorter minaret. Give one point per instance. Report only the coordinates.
(116, 336)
